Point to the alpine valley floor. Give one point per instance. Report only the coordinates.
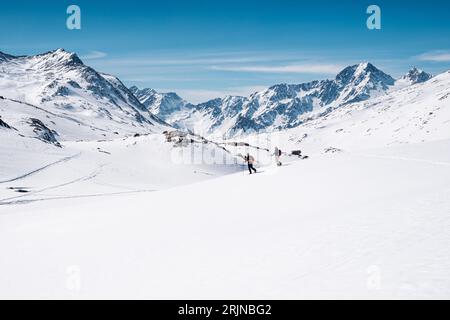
(370, 224)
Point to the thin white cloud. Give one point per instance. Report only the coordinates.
(206, 59)
(94, 55)
(150, 78)
(293, 68)
(156, 61)
(436, 56)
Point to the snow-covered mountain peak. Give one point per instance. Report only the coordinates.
(416, 75)
(162, 105)
(360, 82)
(232, 99)
(59, 83)
(145, 91)
(362, 69)
(364, 72)
(55, 60)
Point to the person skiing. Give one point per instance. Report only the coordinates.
(277, 155)
(250, 161)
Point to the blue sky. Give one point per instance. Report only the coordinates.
(204, 49)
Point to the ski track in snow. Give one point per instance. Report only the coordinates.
(91, 176)
(22, 202)
(66, 159)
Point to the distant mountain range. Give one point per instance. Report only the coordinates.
(58, 97)
(279, 107)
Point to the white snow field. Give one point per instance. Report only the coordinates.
(33, 171)
(340, 225)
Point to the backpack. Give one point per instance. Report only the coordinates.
(280, 153)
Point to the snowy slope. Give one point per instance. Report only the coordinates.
(33, 171)
(20, 156)
(65, 126)
(339, 226)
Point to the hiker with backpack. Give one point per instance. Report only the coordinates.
(250, 161)
(277, 155)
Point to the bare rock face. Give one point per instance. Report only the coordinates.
(4, 124)
(43, 133)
